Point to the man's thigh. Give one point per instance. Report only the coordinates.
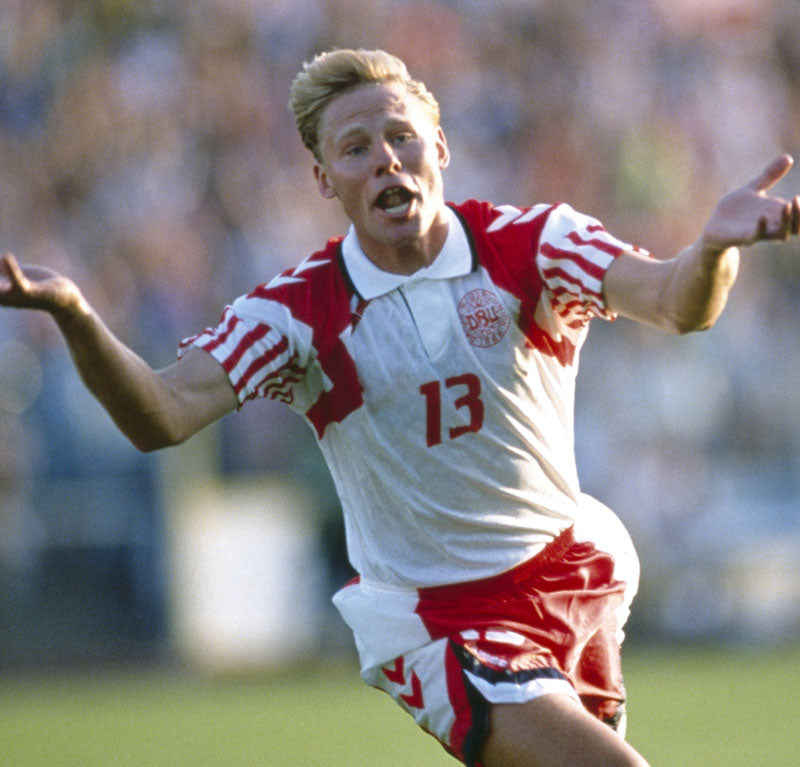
(553, 731)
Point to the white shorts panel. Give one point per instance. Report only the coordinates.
(508, 692)
(417, 681)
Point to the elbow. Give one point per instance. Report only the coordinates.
(150, 446)
(684, 327)
(693, 302)
(155, 438)
(698, 317)
(693, 316)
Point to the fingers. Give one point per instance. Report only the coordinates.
(774, 227)
(790, 220)
(786, 221)
(773, 173)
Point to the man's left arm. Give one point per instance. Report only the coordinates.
(689, 292)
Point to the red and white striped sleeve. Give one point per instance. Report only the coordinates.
(260, 360)
(574, 253)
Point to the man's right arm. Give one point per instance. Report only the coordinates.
(153, 409)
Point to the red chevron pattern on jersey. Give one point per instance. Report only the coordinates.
(507, 246)
(316, 294)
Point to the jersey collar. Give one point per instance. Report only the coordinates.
(454, 260)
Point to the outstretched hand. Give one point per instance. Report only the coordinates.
(34, 287)
(749, 214)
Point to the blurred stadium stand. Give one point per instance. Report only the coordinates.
(146, 150)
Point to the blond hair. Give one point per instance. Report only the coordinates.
(329, 75)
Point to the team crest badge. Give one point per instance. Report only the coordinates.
(483, 317)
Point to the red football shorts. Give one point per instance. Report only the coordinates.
(550, 625)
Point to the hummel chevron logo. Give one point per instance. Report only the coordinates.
(289, 278)
(414, 700)
(397, 675)
(510, 213)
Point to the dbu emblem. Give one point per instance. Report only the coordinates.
(484, 319)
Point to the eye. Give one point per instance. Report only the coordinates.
(354, 150)
(402, 138)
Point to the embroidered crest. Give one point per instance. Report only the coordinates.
(483, 317)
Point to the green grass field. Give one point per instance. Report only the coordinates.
(687, 707)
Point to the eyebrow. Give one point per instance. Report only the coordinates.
(349, 133)
(360, 129)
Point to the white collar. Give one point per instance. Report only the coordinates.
(454, 260)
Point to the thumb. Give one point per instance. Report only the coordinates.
(773, 173)
(7, 263)
(12, 268)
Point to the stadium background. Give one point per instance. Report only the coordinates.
(146, 150)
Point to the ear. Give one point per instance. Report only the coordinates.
(442, 149)
(323, 184)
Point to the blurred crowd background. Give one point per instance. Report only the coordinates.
(146, 150)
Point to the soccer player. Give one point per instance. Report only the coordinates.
(433, 351)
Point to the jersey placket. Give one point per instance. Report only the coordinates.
(428, 303)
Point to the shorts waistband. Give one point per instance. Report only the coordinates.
(552, 552)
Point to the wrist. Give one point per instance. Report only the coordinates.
(72, 308)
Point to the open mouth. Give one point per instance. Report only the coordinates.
(395, 201)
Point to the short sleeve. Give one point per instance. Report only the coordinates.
(574, 253)
(261, 349)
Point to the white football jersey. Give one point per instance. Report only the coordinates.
(443, 400)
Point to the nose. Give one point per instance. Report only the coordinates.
(386, 159)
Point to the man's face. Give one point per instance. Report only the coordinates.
(382, 156)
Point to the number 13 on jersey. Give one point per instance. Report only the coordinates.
(469, 398)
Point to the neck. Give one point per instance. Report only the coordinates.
(409, 256)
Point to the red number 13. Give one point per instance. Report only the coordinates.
(471, 399)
